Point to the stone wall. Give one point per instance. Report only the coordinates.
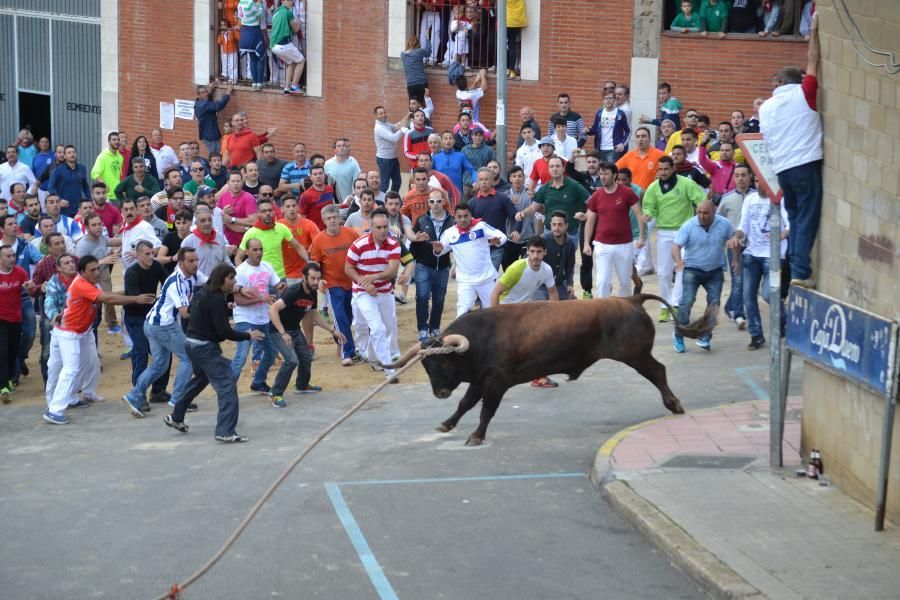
(857, 248)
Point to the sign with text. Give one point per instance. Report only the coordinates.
(184, 109)
(757, 154)
(848, 341)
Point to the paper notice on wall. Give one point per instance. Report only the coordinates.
(166, 115)
(184, 109)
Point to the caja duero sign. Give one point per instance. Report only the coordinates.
(849, 341)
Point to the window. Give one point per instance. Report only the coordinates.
(786, 18)
(228, 65)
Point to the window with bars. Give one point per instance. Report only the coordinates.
(462, 31)
(232, 66)
(764, 18)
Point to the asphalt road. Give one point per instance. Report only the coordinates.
(115, 507)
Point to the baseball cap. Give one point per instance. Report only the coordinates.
(204, 190)
(546, 140)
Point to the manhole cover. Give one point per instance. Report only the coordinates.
(700, 461)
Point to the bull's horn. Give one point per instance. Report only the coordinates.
(456, 341)
(403, 359)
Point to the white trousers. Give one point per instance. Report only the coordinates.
(609, 259)
(467, 292)
(665, 266)
(73, 365)
(229, 65)
(430, 33)
(643, 258)
(375, 326)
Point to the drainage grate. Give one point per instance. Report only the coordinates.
(701, 461)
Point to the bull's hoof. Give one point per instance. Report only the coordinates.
(443, 428)
(677, 409)
(474, 440)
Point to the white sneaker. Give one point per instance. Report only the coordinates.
(741, 323)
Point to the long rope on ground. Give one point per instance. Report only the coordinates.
(176, 589)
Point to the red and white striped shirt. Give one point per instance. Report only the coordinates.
(368, 258)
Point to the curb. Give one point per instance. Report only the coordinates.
(701, 565)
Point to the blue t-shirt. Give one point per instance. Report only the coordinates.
(704, 249)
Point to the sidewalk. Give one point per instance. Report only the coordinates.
(700, 488)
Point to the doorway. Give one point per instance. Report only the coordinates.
(34, 113)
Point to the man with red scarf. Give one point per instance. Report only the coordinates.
(209, 244)
(134, 230)
(165, 156)
(272, 235)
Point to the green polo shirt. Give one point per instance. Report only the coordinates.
(271, 241)
(570, 198)
(714, 17)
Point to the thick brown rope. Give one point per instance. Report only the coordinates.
(176, 589)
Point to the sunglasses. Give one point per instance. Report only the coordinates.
(435, 202)
(196, 170)
(692, 116)
(267, 195)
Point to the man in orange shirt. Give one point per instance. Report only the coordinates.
(415, 203)
(73, 362)
(304, 231)
(243, 142)
(643, 161)
(329, 249)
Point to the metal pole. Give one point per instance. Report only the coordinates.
(501, 86)
(887, 433)
(776, 415)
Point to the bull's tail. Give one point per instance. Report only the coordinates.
(696, 329)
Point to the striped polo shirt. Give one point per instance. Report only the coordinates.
(176, 292)
(368, 258)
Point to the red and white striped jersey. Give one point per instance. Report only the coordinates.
(368, 258)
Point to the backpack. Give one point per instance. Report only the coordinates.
(455, 71)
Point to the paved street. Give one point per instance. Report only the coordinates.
(114, 507)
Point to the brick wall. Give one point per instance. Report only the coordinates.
(718, 76)
(857, 246)
(576, 57)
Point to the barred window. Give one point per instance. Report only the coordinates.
(230, 65)
(788, 18)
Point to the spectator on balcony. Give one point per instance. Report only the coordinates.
(228, 40)
(251, 42)
(744, 16)
(809, 8)
(787, 17)
(429, 43)
(206, 111)
(516, 20)
(484, 39)
(714, 17)
(772, 12)
(284, 26)
(687, 21)
(574, 122)
(413, 59)
(416, 139)
(460, 26)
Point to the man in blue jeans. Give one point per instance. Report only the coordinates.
(386, 137)
(286, 313)
(752, 234)
(252, 313)
(432, 272)
(703, 239)
(164, 332)
(793, 130)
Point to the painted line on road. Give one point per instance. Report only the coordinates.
(757, 390)
(366, 556)
(525, 476)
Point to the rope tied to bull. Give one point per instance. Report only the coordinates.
(415, 354)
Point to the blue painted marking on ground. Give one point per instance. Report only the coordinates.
(757, 389)
(373, 569)
(463, 479)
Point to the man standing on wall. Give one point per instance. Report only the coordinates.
(793, 130)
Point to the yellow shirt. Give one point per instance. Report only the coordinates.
(515, 13)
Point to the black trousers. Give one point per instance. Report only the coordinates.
(586, 272)
(10, 333)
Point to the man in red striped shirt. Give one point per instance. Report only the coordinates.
(372, 263)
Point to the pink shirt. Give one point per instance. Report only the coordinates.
(110, 216)
(244, 205)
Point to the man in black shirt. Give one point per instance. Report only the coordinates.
(207, 328)
(561, 258)
(286, 313)
(32, 215)
(143, 277)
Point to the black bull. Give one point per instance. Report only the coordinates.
(516, 343)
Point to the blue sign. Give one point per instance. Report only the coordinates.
(853, 343)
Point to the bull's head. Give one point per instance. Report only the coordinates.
(442, 359)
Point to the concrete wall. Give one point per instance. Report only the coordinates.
(857, 255)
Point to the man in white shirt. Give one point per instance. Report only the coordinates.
(14, 171)
(165, 156)
(468, 96)
(529, 151)
(564, 145)
(252, 313)
(134, 230)
(342, 167)
(471, 246)
(386, 137)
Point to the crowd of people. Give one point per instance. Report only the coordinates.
(243, 245)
